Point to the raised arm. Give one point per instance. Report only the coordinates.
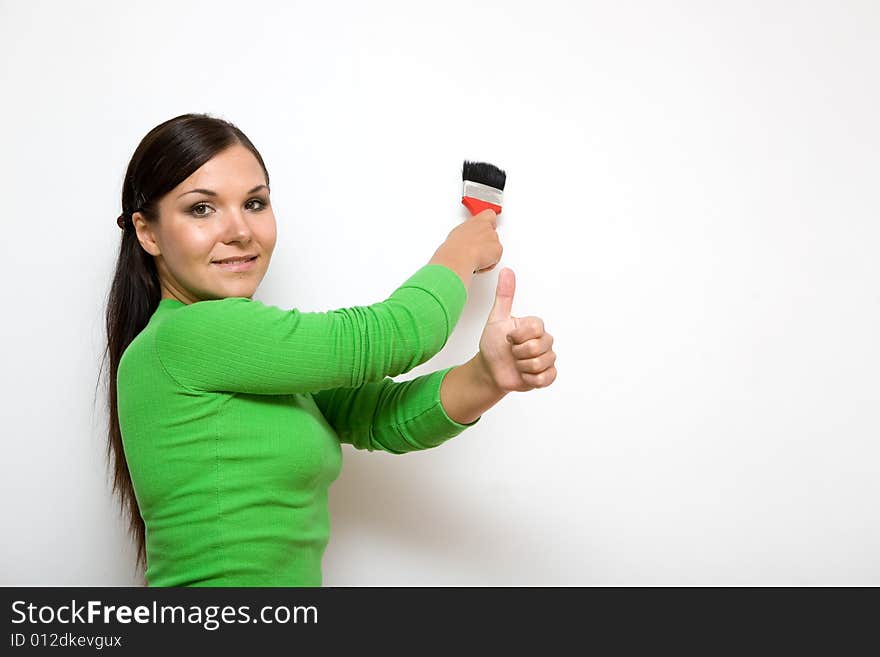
(241, 345)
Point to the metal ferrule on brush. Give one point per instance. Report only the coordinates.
(482, 192)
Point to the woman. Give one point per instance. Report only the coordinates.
(226, 414)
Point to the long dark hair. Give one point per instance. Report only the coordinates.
(165, 157)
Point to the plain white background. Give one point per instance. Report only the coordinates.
(691, 208)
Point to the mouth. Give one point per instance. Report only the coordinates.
(236, 264)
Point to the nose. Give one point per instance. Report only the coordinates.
(237, 227)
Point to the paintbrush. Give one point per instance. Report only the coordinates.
(482, 186)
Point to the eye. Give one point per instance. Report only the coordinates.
(262, 204)
(196, 211)
(193, 210)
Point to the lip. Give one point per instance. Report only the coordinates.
(237, 266)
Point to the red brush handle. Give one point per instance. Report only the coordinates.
(476, 205)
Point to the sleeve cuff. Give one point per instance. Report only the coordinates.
(433, 425)
(448, 421)
(445, 286)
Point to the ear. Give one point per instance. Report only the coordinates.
(145, 234)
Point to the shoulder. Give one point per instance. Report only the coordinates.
(224, 319)
(210, 310)
(205, 317)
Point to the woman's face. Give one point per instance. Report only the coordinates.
(229, 216)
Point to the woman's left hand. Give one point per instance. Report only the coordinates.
(515, 352)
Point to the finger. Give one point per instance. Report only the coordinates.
(527, 328)
(533, 347)
(489, 215)
(540, 380)
(537, 364)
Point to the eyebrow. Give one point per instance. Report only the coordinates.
(210, 193)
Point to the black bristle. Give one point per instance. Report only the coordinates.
(483, 173)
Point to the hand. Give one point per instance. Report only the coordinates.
(524, 362)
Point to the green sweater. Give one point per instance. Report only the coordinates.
(232, 413)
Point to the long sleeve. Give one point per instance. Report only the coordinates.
(238, 344)
(392, 416)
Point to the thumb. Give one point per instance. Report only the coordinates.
(503, 295)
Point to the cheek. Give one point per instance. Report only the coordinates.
(266, 234)
(191, 247)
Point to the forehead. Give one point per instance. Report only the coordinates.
(230, 171)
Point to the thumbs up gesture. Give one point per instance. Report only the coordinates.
(515, 352)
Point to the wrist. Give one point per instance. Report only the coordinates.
(453, 260)
(481, 375)
(466, 392)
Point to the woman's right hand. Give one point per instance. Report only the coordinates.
(476, 238)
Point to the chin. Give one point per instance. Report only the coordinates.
(232, 291)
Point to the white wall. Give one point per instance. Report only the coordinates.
(691, 207)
